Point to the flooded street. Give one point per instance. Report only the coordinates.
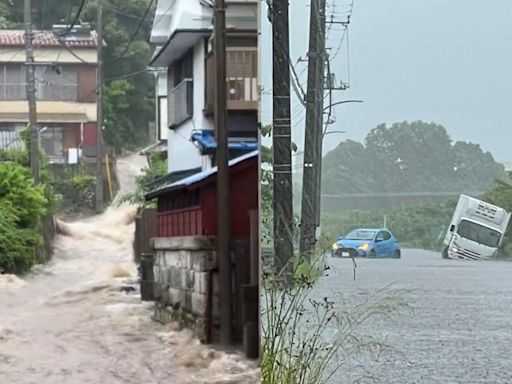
(80, 320)
(459, 331)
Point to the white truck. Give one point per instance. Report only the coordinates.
(476, 230)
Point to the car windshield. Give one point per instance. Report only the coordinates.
(479, 233)
(360, 234)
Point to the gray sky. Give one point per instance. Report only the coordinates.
(447, 61)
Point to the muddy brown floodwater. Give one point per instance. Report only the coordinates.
(80, 320)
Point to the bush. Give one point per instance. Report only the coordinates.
(17, 246)
(22, 207)
(157, 168)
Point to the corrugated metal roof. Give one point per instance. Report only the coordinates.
(16, 38)
(198, 177)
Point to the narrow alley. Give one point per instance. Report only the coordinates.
(80, 320)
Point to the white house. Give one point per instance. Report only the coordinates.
(182, 39)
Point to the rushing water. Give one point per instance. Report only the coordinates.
(79, 319)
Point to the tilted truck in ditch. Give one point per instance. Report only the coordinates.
(476, 230)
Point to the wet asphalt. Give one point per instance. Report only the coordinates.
(460, 330)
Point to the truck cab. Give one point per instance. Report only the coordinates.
(476, 230)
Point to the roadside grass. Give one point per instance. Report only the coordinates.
(306, 339)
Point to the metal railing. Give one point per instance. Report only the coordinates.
(181, 100)
(58, 92)
(66, 92)
(241, 78)
(13, 91)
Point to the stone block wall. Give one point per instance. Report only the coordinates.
(185, 268)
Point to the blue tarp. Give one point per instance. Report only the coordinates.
(206, 142)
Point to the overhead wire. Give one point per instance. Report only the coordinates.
(75, 20)
(134, 35)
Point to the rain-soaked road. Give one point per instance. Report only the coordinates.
(461, 328)
(77, 320)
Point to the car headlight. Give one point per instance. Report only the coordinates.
(364, 246)
(335, 246)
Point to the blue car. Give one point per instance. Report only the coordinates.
(367, 242)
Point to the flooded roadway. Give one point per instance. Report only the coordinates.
(80, 320)
(459, 332)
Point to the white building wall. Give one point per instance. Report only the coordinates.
(182, 153)
(171, 15)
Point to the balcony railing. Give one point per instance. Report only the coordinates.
(241, 78)
(65, 92)
(13, 91)
(58, 92)
(181, 100)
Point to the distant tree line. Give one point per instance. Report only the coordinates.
(408, 157)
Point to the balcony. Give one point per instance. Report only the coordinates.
(13, 91)
(56, 92)
(181, 101)
(241, 78)
(68, 92)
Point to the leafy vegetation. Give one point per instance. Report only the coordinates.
(307, 339)
(157, 168)
(408, 157)
(22, 206)
(128, 102)
(501, 195)
(421, 226)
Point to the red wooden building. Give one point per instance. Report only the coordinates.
(188, 207)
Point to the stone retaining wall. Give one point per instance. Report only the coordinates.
(183, 267)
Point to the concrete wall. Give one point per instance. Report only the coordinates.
(183, 267)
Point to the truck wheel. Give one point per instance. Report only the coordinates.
(445, 253)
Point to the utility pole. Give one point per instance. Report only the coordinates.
(31, 93)
(320, 110)
(99, 111)
(313, 130)
(281, 138)
(223, 217)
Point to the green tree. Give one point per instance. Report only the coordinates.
(501, 195)
(408, 157)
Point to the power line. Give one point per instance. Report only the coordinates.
(119, 12)
(73, 23)
(63, 44)
(132, 38)
(128, 75)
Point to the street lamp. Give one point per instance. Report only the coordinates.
(328, 133)
(342, 102)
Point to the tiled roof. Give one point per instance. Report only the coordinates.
(16, 38)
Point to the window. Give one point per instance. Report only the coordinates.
(10, 136)
(183, 68)
(479, 233)
(383, 235)
(51, 140)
